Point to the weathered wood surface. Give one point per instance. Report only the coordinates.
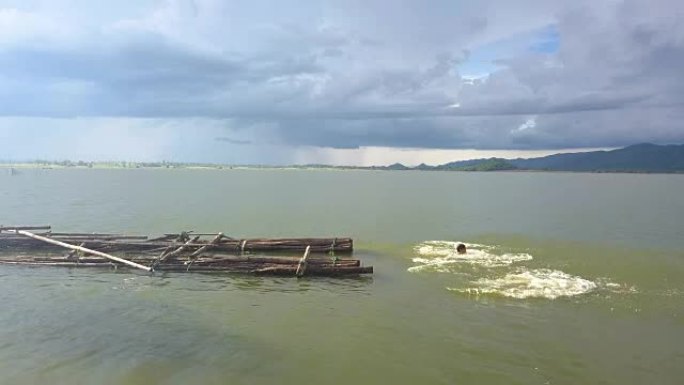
(253, 268)
(45, 227)
(81, 249)
(94, 235)
(123, 243)
(214, 260)
(286, 267)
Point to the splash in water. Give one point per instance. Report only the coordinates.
(537, 283)
(441, 256)
(520, 281)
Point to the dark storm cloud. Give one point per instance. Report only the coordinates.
(351, 74)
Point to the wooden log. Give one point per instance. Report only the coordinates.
(319, 271)
(45, 227)
(176, 235)
(82, 249)
(293, 245)
(285, 271)
(96, 236)
(215, 261)
(166, 237)
(59, 264)
(277, 260)
(242, 268)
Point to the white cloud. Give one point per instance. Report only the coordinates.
(19, 28)
(528, 124)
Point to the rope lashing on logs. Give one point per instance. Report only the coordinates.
(242, 246)
(184, 236)
(76, 254)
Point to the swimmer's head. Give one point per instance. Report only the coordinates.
(461, 248)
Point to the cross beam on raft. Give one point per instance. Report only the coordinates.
(301, 267)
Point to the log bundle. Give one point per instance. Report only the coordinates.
(181, 252)
(113, 242)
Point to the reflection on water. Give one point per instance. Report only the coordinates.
(202, 281)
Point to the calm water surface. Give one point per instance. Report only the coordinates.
(570, 279)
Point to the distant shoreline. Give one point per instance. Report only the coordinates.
(644, 158)
(177, 166)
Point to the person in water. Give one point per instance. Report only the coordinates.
(461, 248)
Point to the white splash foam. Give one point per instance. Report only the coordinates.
(441, 256)
(613, 287)
(538, 283)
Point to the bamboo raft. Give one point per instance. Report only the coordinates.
(181, 252)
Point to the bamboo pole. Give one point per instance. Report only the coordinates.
(179, 250)
(204, 248)
(301, 268)
(165, 255)
(81, 249)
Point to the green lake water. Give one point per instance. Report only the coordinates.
(569, 279)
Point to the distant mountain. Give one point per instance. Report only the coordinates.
(397, 166)
(644, 157)
(491, 164)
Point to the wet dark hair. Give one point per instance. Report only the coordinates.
(461, 248)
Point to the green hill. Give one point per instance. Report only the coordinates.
(492, 164)
(637, 158)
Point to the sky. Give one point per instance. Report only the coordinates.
(351, 82)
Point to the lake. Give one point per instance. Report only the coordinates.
(569, 279)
